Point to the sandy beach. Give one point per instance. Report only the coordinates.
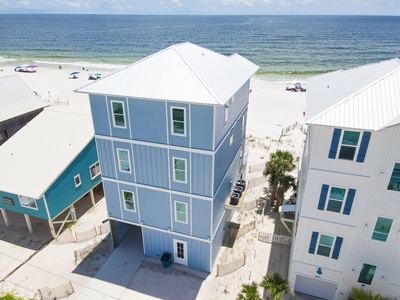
(271, 110)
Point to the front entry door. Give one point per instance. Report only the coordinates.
(180, 252)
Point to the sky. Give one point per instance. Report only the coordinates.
(204, 7)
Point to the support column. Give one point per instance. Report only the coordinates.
(92, 197)
(73, 213)
(4, 213)
(28, 222)
(52, 230)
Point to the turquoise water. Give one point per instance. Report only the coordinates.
(283, 46)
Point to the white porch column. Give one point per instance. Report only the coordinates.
(4, 213)
(52, 230)
(73, 213)
(92, 197)
(28, 222)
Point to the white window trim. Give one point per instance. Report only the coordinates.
(80, 181)
(123, 113)
(90, 172)
(343, 201)
(226, 114)
(231, 140)
(129, 161)
(173, 169)
(318, 244)
(341, 144)
(176, 212)
(133, 199)
(172, 120)
(20, 202)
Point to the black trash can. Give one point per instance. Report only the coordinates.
(166, 259)
(238, 189)
(242, 183)
(234, 199)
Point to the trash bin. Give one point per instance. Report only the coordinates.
(241, 183)
(166, 259)
(234, 199)
(238, 189)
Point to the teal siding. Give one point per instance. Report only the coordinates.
(63, 192)
(39, 213)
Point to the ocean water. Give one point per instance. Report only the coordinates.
(283, 46)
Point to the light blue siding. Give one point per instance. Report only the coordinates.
(175, 140)
(63, 192)
(178, 186)
(129, 215)
(217, 241)
(226, 153)
(178, 226)
(117, 131)
(39, 213)
(112, 196)
(154, 208)
(151, 165)
(202, 174)
(101, 121)
(124, 175)
(157, 242)
(106, 158)
(201, 218)
(148, 120)
(202, 122)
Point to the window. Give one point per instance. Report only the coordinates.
(27, 202)
(118, 113)
(124, 161)
(231, 140)
(179, 169)
(325, 245)
(335, 200)
(180, 212)
(226, 115)
(367, 274)
(349, 145)
(394, 183)
(129, 200)
(77, 180)
(178, 121)
(94, 170)
(382, 228)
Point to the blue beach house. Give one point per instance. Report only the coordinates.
(47, 166)
(170, 134)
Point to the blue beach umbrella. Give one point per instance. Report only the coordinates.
(74, 73)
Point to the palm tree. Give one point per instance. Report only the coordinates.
(278, 165)
(285, 182)
(249, 292)
(360, 294)
(276, 286)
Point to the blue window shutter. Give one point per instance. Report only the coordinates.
(313, 243)
(335, 142)
(336, 249)
(322, 196)
(363, 146)
(349, 201)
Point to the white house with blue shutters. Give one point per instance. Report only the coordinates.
(347, 226)
(170, 135)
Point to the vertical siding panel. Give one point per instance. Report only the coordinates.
(104, 149)
(201, 174)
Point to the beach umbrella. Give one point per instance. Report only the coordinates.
(74, 73)
(31, 66)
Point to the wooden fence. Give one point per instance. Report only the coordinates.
(59, 292)
(230, 267)
(271, 238)
(78, 236)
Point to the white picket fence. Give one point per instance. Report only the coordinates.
(271, 238)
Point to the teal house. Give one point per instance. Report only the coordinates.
(47, 166)
(170, 134)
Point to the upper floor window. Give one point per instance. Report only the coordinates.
(180, 212)
(325, 245)
(27, 202)
(179, 169)
(348, 145)
(118, 112)
(382, 228)
(129, 200)
(178, 121)
(77, 180)
(367, 274)
(336, 199)
(124, 162)
(394, 183)
(226, 114)
(94, 170)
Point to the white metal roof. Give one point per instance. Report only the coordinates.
(367, 97)
(182, 72)
(33, 158)
(16, 98)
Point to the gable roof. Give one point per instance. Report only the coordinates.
(38, 153)
(182, 72)
(367, 97)
(16, 98)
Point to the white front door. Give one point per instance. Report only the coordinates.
(180, 252)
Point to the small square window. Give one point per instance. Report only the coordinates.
(180, 212)
(325, 245)
(394, 183)
(27, 202)
(367, 274)
(129, 200)
(382, 228)
(94, 170)
(349, 145)
(77, 180)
